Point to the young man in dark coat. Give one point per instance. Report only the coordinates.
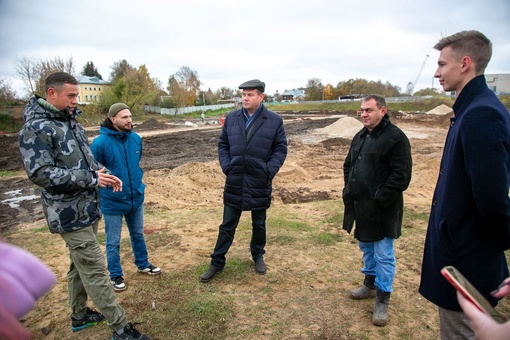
(469, 224)
(377, 170)
(251, 149)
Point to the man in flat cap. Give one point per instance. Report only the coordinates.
(251, 149)
(119, 149)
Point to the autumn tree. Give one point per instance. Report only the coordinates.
(364, 87)
(7, 94)
(328, 92)
(184, 87)
(33, 72)
(430, 91)
(314, 89)
(90, 70)
(130, 85)
(119, 70)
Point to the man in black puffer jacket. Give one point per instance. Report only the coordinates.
(252, 148)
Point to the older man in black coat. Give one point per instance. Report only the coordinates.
(377, 170)
(252, 148)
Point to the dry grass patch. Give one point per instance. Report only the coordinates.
(312, 264)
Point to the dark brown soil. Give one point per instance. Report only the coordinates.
(163, 151)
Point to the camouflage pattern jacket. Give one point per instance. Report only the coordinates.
(57, 158)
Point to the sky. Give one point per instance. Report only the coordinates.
(281, 42)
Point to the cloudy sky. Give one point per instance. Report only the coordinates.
(227, 42)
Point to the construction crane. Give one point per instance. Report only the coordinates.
(410, 86)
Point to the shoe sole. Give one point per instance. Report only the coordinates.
(90, 324)
(118, 290)
(149, 273)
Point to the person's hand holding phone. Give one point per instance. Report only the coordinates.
(503, 289)
(484, 326)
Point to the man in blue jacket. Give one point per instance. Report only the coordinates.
(119, 149)
(469, 223)
(251, 149)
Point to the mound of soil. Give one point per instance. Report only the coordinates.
(151, 124)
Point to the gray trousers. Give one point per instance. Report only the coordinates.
(87, 277)
(454, 325)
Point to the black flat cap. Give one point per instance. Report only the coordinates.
(253, 84)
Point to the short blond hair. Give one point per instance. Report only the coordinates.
(471, 43)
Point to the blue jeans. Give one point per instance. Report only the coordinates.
(379, 260)
(227, 231)
(113, 228)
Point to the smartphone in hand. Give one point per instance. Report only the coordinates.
(467, 290)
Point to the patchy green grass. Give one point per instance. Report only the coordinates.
(312, 265)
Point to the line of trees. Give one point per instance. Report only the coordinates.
(315, 90)
(135, 86)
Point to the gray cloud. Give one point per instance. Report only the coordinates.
(282, 42)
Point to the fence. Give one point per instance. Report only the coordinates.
(184, 110)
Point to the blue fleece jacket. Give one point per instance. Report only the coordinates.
(120, 152)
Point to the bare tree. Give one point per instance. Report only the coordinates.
(33, 72)
(28, 70)
(50, 66)
(225, 93)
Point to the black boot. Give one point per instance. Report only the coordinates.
(210, 273)
(367, 290)
(382, 301)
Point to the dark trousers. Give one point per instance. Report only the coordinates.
(227, 231)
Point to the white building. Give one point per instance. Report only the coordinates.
(499, 83)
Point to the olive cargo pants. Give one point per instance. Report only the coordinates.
(87, 277)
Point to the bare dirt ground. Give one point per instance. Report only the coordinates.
(186, 158)
(182, 174)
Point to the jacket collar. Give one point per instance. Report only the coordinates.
(108, 129)
(379, 128)
(468, 93)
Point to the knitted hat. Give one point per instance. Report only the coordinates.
(115, 108)
(253, 84)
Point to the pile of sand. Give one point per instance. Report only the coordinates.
(345, 127)
(440, 110)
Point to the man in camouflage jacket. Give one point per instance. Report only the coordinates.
(57, 158)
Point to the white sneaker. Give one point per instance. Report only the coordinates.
(150, 270)
(118, 284)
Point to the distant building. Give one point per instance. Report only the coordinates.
(91, 89)
(499, 83)
(297, 95)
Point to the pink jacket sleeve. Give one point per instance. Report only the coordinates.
(23, 280)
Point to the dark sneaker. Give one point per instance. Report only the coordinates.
(150, 270)
(260, 267)
(210, 273)
(130, 333)
(118, 284)
(91, 318)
